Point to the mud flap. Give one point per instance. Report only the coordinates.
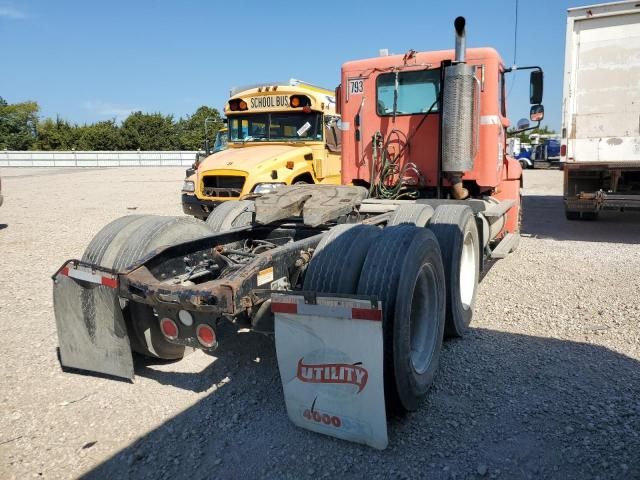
(92, 333)
(330, 361)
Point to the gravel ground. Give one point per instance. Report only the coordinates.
(546, 385)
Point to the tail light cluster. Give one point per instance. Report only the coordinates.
(204, 333)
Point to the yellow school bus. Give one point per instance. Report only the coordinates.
(278, 134)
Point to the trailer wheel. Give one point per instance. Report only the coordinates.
(231, 214)
(142, 323)
(403, 269)
(455, 228)
(413, 213)
(337, 260)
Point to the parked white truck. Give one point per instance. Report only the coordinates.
(601, 110)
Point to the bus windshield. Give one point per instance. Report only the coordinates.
(221, 141)
(275, 127)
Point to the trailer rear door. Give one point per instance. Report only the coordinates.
(603, 65)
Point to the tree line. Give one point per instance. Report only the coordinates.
(21, 128)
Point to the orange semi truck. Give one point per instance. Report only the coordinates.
(429, 193)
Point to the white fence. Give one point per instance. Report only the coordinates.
(96, 159)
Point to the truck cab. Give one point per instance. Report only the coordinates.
(399, 143)
(280, 134)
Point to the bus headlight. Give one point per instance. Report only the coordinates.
(188, 186)
(267, 187)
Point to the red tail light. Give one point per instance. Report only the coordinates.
(563, 150)
(169, 328)
(206, 335)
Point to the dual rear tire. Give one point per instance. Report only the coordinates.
(122, 243)
(126, 240)
(455, 228)
(426, 279)
(401, 266)
(404, 271)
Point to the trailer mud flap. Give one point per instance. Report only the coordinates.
(330, 360)
(92, 333)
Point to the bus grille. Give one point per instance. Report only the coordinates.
(224, 186)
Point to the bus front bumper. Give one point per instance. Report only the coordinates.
(192, 205)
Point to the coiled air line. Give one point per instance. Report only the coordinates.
(384, 168)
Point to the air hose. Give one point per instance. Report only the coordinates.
(387, 178)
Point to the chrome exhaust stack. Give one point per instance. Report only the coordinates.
(459, 111)
(461, 39)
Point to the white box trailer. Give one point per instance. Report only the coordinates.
(601, 109)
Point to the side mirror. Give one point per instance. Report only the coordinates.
(522, 124)
(535, 87)
(225, 121)
(536, 114)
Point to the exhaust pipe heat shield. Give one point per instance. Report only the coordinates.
(458, 118)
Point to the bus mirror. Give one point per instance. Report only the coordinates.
(338, 94)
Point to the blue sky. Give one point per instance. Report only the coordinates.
(95, 60)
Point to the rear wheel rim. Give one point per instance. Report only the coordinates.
(467, 270)
(424, 310)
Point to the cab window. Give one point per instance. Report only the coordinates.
(502, 101)
(416, 92)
